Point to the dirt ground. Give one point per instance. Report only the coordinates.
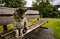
(40, 34)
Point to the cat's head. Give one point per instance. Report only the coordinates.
(21, 12)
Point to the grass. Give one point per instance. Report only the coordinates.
(1, 29)
(31, 21)
(55, 25)
(10, 26)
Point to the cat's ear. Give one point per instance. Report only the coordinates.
(25, 9)
(16, 10)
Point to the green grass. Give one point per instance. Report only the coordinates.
(1, 29)
(10, 26)
(31, 21)
(55, 25)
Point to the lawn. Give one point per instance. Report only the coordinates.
(55, 25)
(31, 21)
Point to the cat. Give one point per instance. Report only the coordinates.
(20, 21)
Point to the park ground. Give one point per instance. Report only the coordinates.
(53, 23)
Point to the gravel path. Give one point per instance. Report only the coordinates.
(40, 34)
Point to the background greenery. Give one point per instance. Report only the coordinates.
(45, 9)
(14, 3)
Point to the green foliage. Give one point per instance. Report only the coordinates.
(14, 3)
(45, 8)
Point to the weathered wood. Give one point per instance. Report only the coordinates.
(6, 33)
(5, 20)
(6, 11)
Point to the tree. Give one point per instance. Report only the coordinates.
(44, 7)
(14, 3)
(0, 1)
